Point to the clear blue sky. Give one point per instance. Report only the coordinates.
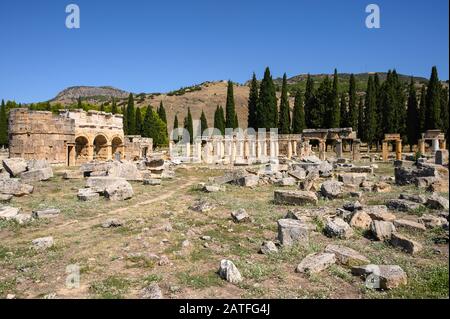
(154, 46)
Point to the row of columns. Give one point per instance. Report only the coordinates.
(437, 144)
(385, 149)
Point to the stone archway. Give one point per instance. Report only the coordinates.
(100, 148)
(81, 150)
(117, 148)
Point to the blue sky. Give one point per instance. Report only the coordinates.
(157, 46)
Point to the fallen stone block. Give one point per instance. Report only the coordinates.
(14, 187)
(315, 263)
(248, 181)
(381, 276)
(43, 243)
(229, 272)
(120, 190)
(347, 256)
(15, 166)
(73, 175)
(431, 221)
(437, 202)
(381, 187)
(337, 227)
(152, 181)
(382, 230)
(402, 205)
(87, 194)
(286, 181)
(352, 178)
(268, 247)
(46, 213)
(291, 231)
(420, 199)
(112, 222)
(409, 224)
(37, 175)
(331, 189)
(288, 197)
(379, 212)
(361, 220)
(240, 216)
(408, 245)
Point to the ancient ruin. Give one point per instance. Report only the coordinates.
(72, 137)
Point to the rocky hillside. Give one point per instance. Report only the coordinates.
(88, 93)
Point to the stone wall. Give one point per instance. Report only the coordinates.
(137, 147)
(39, 135)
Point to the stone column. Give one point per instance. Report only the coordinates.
(322, 150)
(294, 147)
(246, 149)
(233, 151)
(198, 151)
(171, 148)
(339, 148)
(109, 152)
(355, 149)
(264, 148)
(398, 150)
(90, 149)
(289, 151)
(272, 149)
(259, 149)
(188, 150)
(252, 149)
(277, 148)
(385, 150)
(442, 144)
(421, 146)
(435, 145)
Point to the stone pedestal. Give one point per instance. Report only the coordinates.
(421, 146)
(322, 145)
(356, 150)
(385, 151)
(339, 148)
(398, 150)
(435, 145)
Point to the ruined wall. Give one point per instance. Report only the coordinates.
(137, 147)
(39, 135)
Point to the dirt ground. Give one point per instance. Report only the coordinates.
(119, 262)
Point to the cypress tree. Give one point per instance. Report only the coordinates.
(413, 125)
(102, 107)
(113, 106)
(154, 128)
(236, 121)
(267, 109)
(175, 127)
(370, 108)
(3, 125)
(361, 119)
(422, 109)
(298, 115)
(162, 112)
(309, 100)
(125, 121)
(400, 102)
(131, 125)
(319, 114)
(253, 103)
(175, 122)
(230, 107)
(189, 125)
(334, 112)
(79, 104)
(219, 119)
(203, 121)
(284, 123)
(378, 115)
(432, 102)
(138, 122)
(344, 113)
(444, 111)
(352, 108)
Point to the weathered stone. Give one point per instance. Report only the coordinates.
(8, 212)
(352, 178)
(382, 276)
(437, 202)
(298, 174)
(152, 292)
(337, 227)
(331, 189)
(120, 190)
(409, 224)
(99, 184)
(268, 247)
(315, 263)
(431, 221)
(42, 174)
(402, 205)
(439, 186)
(87, 194)
(167, 174)
(73, 175)
(5, 197)
(15, 166)
(240, 216)
(346, 256)
(420, 199)
(230, 176)
(34, 164)
(152, 181)
(291, 231)
(202, 206)
(212, 188)
(112, 222)
(361, 219)
(382, 230)
(426, 181)
(43, 242)
(14, 187)
(408, 245)
(229, 272)
(248, 181)
(379, 212)
(288, 197)
(406, 175)
(325, 169)
(381, 187)
(353, 206)
(46, 213)
(124, 169)
(308, 182)
(441, 157)
(286, 181)
(361, 169)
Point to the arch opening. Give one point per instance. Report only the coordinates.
(81, 150)
(117, 148)
(100, 148)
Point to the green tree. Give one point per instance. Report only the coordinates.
(298, 114)
(79, 104)
(230, 107)
(162, 112)
(422, 109)
(361, 119)
(319, 114)
(189, 125)
(352, 107)
(267, 109)
(432, 102)
(138, 122)
(219, 119)
(370, 117)
(444, 111)
(124, 120)
(310, 100)
(3, 125)
(102, 107)
(175, 127)
(203, 122)
(344, 112)
(253, 103)
(236, 121)
(413, 125)
(154, 128)
(334, 111)
(113, 106)
(131, 117)
(284, 119)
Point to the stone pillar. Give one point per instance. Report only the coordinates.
(442, 144)
(322, 145)
(188, 150)
(355, 149)
(222, 149)
(435, 145)
(171, 148)
(198, 151)
(421, 146)
(272, 149)
(229, 148)
(90, 152)
(264, 153)
(207, 153)
(246, 149)
(233, 151)
(108, 152)
(259, 149)
(253, 149)
(241, 149)
(398, 150)
(339, 148)
(289, 151)
(294, 147)
(277, 148)
(385, 150)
